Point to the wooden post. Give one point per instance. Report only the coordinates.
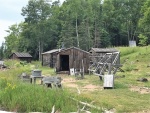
(109, 68)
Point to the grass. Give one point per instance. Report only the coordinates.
(18, 96)
(24, 97)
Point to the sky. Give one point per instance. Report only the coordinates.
(10, 13)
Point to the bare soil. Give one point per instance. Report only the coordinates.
(71, 82)
(141, 90)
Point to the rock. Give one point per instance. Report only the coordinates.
(142, 79)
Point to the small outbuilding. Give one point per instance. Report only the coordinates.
(21, 56)
(65, 59)
(100, 52)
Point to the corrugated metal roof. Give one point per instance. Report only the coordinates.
(22, 54)
(104, 49)
(51, 51)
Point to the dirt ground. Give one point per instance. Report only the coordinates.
(141, 90)
(72, 83)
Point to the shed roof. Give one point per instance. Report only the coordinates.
(74, 48)
(61, 50)
(27, 55)
(98, 50)
(51, 51)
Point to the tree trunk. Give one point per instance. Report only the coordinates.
(95, 33)
(128, 32)
(39, 50)
(77, 32)
(89, 37)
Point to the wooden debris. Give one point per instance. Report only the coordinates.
(87, 104)
(53, 109)
(79, 92)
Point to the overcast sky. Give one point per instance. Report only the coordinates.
(11, 14)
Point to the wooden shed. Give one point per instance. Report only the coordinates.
(65, 59)
(21, 56)
(100, 52)
(72, 58)
(49, 58)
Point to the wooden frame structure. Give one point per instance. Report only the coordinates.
(106, 63)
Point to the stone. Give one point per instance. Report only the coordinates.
(142, 79)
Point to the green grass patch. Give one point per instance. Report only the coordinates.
(22, 97)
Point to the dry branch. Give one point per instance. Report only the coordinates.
(53, 109)
(87, 104)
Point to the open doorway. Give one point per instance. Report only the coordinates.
(64, 62)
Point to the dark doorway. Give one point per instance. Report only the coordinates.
(64, 62)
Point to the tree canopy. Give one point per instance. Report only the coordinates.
(79, 23)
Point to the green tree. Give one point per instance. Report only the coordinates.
(2, 50)
(144, 21)
(132, 15)
(12, 41)
(36, 15)
(143, 40)
(69, 17)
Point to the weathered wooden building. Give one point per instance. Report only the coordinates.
(65, 59)
(98, 53)
(49, 58)
(21, 56)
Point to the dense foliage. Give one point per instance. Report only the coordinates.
(80, 23)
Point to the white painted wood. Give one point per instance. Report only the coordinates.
(72, 72)
(132, 43)
(108, 81)
(1, 62)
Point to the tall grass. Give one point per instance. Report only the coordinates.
(19, 96)
(23, 97)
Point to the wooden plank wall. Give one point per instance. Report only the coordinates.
(75, 59)
(46, 59)
(49, 59)
(54, 60)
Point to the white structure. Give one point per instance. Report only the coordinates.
(72, 72)
(132, 43)
(108, 81)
